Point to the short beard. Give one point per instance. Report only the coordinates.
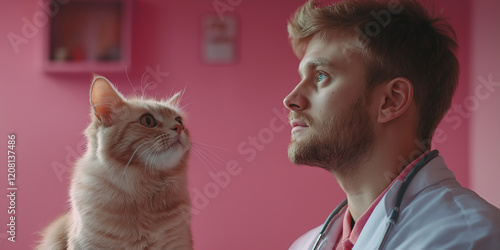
(340, 145)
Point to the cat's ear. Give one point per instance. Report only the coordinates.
(105, 99)
(175, 99)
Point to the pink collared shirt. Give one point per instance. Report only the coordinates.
(349, 237)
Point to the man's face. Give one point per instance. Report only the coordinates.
(330, 119)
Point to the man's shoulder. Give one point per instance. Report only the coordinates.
(437, 195)
(448, 199)
(448, 212)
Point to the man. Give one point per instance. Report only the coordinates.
(377, 77)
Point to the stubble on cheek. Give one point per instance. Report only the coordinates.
(337, 144)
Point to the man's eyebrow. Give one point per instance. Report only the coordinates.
(315, 63)
(318, 62)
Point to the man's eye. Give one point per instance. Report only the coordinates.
(321, 77)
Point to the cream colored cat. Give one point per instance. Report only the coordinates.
(129, 190)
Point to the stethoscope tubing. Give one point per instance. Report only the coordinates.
(328, 224)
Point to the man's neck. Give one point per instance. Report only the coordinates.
(375, 174)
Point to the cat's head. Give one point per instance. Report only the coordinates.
(136, 132)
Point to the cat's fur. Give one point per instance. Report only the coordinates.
(129, 190)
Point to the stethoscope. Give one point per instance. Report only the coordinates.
(393, 217)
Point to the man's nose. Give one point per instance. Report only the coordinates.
(296, 100)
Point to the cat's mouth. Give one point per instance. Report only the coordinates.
(177, 140)
(173, 144)
(167, 142)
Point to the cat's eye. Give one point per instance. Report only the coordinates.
(147, 120)
(179, 120)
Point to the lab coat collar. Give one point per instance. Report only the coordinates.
(432, 173)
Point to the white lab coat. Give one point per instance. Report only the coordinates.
(436, 213)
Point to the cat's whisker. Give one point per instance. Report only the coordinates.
(154, 143)
(131, 157)
(145, 87)
(151, 156)
(146, 162)
(208, 164)
(154, 155)
(203, 149)
(209, 159)
(142, 79)
(181, 108)
(212, 155)
(182, 94)
(126, 73)
(170, 94)
(208, 145)
(150, 150)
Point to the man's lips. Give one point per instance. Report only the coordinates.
(298, 125)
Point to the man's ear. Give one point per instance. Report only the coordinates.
(396, 98)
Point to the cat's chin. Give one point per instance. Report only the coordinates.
(170, 157)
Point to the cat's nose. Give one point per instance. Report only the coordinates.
(177, 128)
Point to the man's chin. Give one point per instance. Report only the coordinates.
(292, 154)
(299, 155)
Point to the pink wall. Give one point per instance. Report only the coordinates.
(269, 202)
(485, 118)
